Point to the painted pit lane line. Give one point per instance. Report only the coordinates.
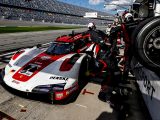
(81, 105)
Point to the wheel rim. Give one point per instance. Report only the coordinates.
(151, 46)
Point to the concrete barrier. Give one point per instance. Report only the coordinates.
(149, 85)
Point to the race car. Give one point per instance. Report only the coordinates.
(57, 70)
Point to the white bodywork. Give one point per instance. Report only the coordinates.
(46, 75)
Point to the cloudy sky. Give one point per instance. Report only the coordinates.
(99, 4)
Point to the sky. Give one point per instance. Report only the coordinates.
(99, 4)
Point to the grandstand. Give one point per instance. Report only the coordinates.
(46, 10)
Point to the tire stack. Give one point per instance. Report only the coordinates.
(146, 43)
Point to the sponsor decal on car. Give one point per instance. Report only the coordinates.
(14, 81)
(77, 37)
(45, 57)
(58, 78)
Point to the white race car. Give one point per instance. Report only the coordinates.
(56, 71)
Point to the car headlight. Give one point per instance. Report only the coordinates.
(48, 88)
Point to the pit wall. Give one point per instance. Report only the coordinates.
(149, 85)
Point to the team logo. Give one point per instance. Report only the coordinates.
(45, 57)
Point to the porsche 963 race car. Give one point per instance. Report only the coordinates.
(57, 70)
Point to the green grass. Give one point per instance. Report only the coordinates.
(30, 29)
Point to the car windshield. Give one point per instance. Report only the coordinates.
(59, 48)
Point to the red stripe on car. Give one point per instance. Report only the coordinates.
(42, 60)
(97, 49)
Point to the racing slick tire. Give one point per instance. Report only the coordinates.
(135, 33)
(146, 43)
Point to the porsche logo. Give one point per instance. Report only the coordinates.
(20, 76)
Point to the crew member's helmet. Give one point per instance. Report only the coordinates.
(127, 17)
(91, 26)
(109, 25)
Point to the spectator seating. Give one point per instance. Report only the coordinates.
(46, 10)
